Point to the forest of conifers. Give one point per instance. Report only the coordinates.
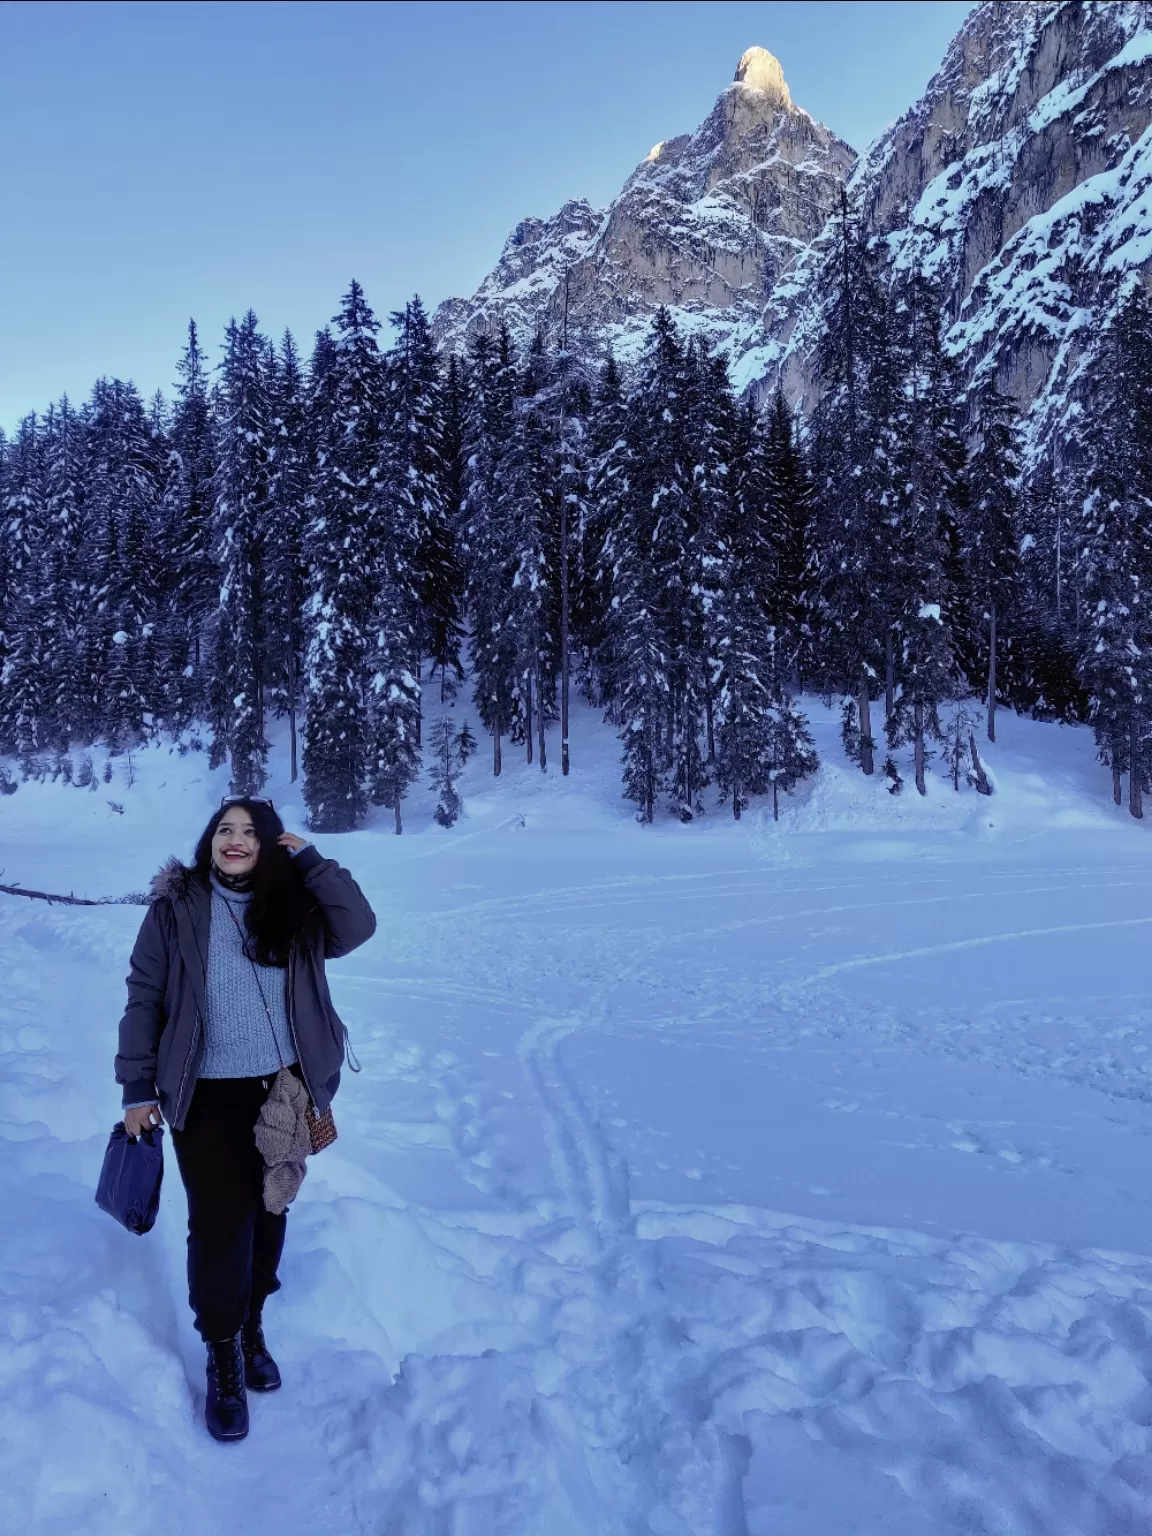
(329, 540)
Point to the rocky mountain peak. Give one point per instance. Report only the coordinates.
(759, 70)
(705, 224)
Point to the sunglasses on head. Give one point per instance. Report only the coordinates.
(247, 800)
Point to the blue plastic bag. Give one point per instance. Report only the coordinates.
(129, 1187)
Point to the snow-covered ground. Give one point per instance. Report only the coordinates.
(701, 1181)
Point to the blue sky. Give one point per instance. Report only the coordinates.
(171, 160)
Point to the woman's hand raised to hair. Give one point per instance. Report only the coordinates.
(143, 1118)
(291, 841)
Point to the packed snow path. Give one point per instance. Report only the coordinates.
(699, 1182)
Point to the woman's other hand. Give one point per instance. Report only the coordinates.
(291, 841)
(143, 1118)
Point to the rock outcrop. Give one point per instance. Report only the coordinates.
(706, 224)
(1022, 180)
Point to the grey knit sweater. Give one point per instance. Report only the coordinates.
(240, 1040)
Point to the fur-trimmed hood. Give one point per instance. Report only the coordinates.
(172, 881)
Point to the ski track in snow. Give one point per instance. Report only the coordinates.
(718, 1197)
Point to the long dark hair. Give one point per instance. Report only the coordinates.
(280, 901)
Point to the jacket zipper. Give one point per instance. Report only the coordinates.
(187, 1064)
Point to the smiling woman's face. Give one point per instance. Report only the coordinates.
(235, 846)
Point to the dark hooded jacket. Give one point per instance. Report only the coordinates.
(162, 1031)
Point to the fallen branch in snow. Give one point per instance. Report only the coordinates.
(133, 900)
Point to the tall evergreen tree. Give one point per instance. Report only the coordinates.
(244, 438)
(920, 602)
(854, 432)
(601, 541)
(65, 483)
(1117, 659)
(343, 545)
(285, 572)
(187, 518)
(420, 488)
(763, 741)
(393, 716)
(992, 554)
(487, 542)
(121, 665)
(665, 517)
(25, 678)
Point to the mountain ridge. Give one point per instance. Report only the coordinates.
(1021, 180)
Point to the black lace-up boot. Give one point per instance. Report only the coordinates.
(226, 1411)
(261, 1373)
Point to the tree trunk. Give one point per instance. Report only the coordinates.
(496, 763)
(889, 676)
(399, 825)
(866, 762)
(1117, 793)
(528, 739)
(982, 785)
(919, 729)
(711, 726)
(292, 709)
(736, 802)
(992, 677)
(564, 614)
(541, 722)
(775, 800)
(1135, 796)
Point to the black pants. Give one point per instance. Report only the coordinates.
(234, 1244)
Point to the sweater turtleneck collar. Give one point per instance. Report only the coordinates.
(234, 887)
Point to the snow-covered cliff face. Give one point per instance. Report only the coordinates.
(705, 224)
(1022, 180)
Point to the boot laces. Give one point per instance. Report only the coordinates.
(227, 1361)
(253, 1337)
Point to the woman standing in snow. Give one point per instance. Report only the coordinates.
(227, 986)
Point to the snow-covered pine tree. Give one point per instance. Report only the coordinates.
(715, 434)
(991, 544)
(600, 540)
(527, 492)
(341, 543)
(393, 724)
(763, 740)
(780, 497)
(1117, 546)
(450, 750)
(919, 601)
(244, 437)
(740, 637)
(122, 666)
(662, 529)
(65, 483)
(487, 536)
(25, 679)
(573, 398)
(186, 517)
(1042, 677)
(284, 564)
(418, 493)
(791, 752)
(853, 432)
(643, 701)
